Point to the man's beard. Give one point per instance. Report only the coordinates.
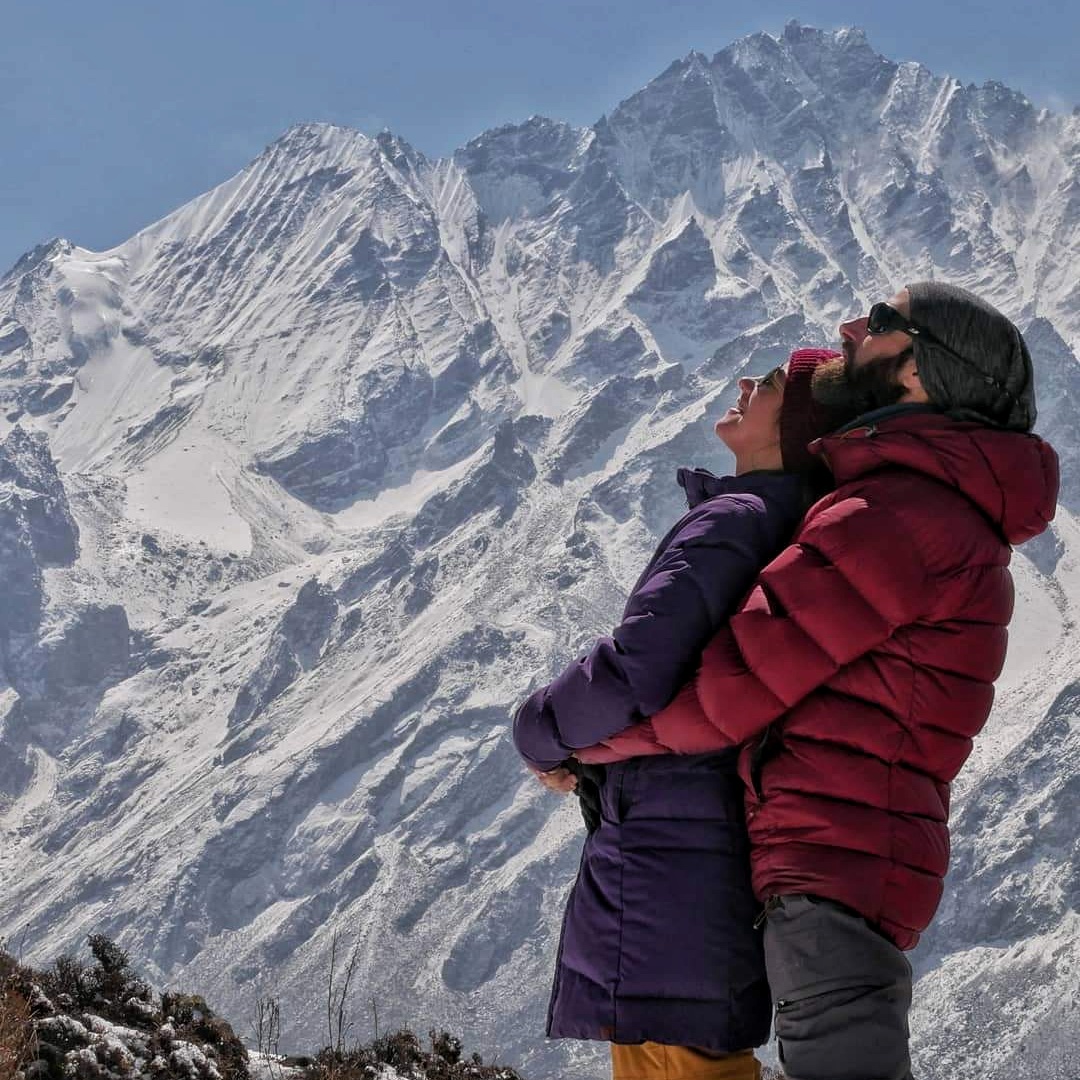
(839, 384)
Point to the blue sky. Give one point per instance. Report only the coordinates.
(112, 113)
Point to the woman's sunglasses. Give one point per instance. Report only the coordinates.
(773, 380)
(884, 319)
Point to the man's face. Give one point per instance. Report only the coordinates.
(861, 348)
(877, 369)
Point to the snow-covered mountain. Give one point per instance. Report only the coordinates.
(303, 487)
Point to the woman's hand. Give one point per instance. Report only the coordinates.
(560, 780)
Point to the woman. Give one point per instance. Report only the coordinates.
(658, 954)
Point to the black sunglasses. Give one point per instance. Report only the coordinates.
(884, 319)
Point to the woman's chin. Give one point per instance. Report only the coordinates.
(727, 423)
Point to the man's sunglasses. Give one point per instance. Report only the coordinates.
(884, 319)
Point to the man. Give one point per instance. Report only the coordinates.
(861, 665)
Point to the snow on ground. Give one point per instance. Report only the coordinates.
(183, 491)
(20, 814)
(116, 390)
(406, 498)
(544, 394)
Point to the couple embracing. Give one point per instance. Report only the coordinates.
(764, 746)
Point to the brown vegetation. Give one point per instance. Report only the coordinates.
(16, 1032)
(403, 1051)
(98, 1020)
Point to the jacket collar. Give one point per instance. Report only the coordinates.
(700, 484)
(886, 412)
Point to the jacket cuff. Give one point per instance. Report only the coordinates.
(536, 735)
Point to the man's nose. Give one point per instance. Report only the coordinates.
(854, 331)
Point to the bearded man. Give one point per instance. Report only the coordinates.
(861, 666)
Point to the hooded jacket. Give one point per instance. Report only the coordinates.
(658, 940)
(861, 665)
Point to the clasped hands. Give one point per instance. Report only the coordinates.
(560, 779)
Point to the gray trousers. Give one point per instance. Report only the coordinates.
(841, 991)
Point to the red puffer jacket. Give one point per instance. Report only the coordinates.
(861, 665)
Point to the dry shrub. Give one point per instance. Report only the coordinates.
(403, 1051)
(17, 1042)
(196, 1022)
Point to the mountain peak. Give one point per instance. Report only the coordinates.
(42, 253)
(400, 152)
(844, 36)
(316, 139)
(536, 124)
(316, 129)
(517, 168)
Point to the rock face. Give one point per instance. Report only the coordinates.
(294, 647)
(33, 489)
(304, 486)
(36, 531)
(90, 645)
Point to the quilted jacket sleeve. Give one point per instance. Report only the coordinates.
(703, 572)
(853, 577)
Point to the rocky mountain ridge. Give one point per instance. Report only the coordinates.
(305, 485)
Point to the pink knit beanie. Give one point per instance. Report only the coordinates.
(802, 419)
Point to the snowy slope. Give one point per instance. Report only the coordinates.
(305, 485)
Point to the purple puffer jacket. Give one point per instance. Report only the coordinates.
(658, 940)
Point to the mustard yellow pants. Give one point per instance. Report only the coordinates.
(655, 1061)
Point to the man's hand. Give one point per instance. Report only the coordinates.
(560, 780)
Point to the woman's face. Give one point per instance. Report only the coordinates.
(752, 424)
